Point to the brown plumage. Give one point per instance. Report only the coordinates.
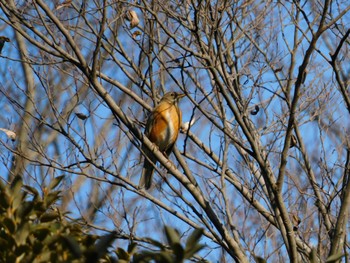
(162, 128)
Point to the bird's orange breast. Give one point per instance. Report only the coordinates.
(164, 125)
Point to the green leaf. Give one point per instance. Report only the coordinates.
(4, 200)
(31, 190)
(165, 257)
(24, 210)
(55, 182)
(122, 254)
(172, 235)
(41, 232)
(335, 257)
(52, 197)
(22, 249)
(72, 245)
(16, 184)
(132, 248)
(193, 250)
(259, 259)
(194, 237)
(23, 232)
(104, 243)
(155, 243)
(37, 246)
(39, 207)
(9, 224)
(147, 256)
(46, 255)
(178, 251)
(11, 258)
(17, 201)
(48, 217)
(3, 243)
(8, 240)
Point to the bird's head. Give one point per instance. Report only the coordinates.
(173, 96)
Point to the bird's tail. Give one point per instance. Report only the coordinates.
(146, 176)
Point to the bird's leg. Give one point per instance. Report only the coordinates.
(167, 156)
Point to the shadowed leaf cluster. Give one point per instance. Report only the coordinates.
(32, 231)
(174, 252)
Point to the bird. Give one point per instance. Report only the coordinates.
(162, 128)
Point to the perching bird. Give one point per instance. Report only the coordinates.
(162, 128)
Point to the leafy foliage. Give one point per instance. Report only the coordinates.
(174, 252)
(32, 231)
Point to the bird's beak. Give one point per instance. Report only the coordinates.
(180, 95)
